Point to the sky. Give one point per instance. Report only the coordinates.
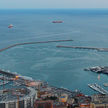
(23, 4)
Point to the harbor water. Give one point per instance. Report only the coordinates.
(61, 67)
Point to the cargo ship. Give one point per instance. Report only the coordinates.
(57, 21)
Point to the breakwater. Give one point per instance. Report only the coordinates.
(89, 48)
(25, 43)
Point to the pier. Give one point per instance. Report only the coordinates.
(9, 74)
(25, 43)
(97, 88)
(88, 48)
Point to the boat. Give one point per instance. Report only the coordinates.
(105, 84)
(98, 69)
(57, 21)
(10, 26)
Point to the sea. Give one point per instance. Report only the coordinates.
(60, 67)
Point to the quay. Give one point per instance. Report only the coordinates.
(89, 48)
(65, 90)
(97, 88)
(25, 43)
(9, 74)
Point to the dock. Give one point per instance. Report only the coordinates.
(88, 48)
(98, 88)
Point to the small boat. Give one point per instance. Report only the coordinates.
(10, 26)
(98, 77)
(105, 84)
(57, 21)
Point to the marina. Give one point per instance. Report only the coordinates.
(4, 83)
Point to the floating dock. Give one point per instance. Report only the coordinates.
(89, 48)
(97, 88)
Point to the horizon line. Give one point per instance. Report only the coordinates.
(45, 8)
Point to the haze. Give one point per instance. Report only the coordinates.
(23, 4)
